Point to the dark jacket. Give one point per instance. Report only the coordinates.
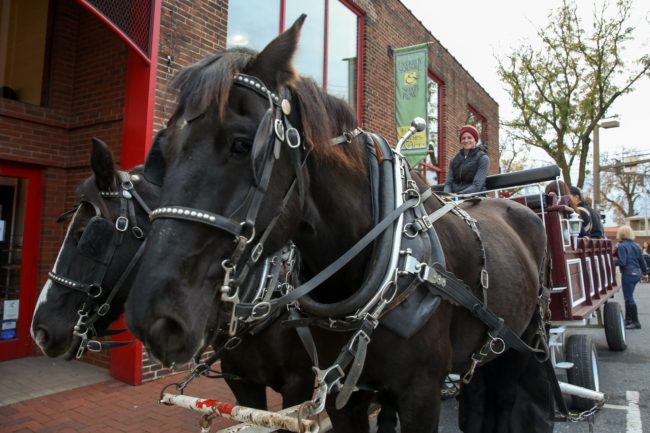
(593, 225)
(630, 259)
(467, 173)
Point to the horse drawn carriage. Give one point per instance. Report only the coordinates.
(454, 285)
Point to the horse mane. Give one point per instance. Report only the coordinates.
(323, 116)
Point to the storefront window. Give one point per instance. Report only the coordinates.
(252, 23)
(309, 59)
(431, 166)
(477, 120)
(329, 55)
(342, 52)
(23, 42)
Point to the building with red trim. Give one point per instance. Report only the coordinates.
(75, 69)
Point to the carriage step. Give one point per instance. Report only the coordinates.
(564, 365)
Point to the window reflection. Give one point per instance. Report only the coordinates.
(309, 58)
(342, 52)
(252, 23)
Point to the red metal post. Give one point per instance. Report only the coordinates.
(126, 361)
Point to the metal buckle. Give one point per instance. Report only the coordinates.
(121, 223)
(485, 281)
(232, 343)
(296, 141)
(257, 252)
(94, 346)
(137, 232)
(103, 309)
(357, 336)
(258, 316)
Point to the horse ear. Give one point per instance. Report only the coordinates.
(154, 166)
(274, 63)
(101, 161)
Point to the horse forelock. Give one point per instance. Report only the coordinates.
(209, 82)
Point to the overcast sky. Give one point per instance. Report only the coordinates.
(475, 30)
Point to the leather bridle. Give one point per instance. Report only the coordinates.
(274, 130)
(94, 308)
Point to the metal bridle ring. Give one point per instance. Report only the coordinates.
(293, 132)
(252, 234)
(94, 290)
(409, 231)
(121, 223)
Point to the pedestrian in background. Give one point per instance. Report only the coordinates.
(630, 262)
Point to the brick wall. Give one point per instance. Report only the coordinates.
(389, 24)
(84, 97)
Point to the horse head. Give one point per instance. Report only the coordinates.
(87, 286)
(236, 187)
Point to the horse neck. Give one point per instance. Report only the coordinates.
(338, 212)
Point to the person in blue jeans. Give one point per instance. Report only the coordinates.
(630, 262)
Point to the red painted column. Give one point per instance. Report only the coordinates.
(126, 361)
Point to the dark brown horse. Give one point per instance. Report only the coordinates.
(262, 192)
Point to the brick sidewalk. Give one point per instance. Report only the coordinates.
(115, 407)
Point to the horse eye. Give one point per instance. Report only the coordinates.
(241, 147)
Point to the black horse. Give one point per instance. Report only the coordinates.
(94, 271)
(238, 169)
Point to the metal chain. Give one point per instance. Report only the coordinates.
(581, 416)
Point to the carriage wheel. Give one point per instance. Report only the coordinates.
(614, 326)
(581, 351)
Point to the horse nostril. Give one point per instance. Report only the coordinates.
(170, 335)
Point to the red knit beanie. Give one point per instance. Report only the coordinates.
(469, 128)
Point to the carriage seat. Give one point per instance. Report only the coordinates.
(517, 178)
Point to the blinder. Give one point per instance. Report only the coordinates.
(96, 240)
(262, 145)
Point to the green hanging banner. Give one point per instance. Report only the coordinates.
(411, 64)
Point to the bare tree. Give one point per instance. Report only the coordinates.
(624, 187)
(563, 89)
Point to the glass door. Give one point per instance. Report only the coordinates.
(20, 217)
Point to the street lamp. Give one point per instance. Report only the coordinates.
(610, 123)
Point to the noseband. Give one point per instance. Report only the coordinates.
(274, 130)
(90, 312)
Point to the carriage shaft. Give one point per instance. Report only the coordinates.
(240, 413)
